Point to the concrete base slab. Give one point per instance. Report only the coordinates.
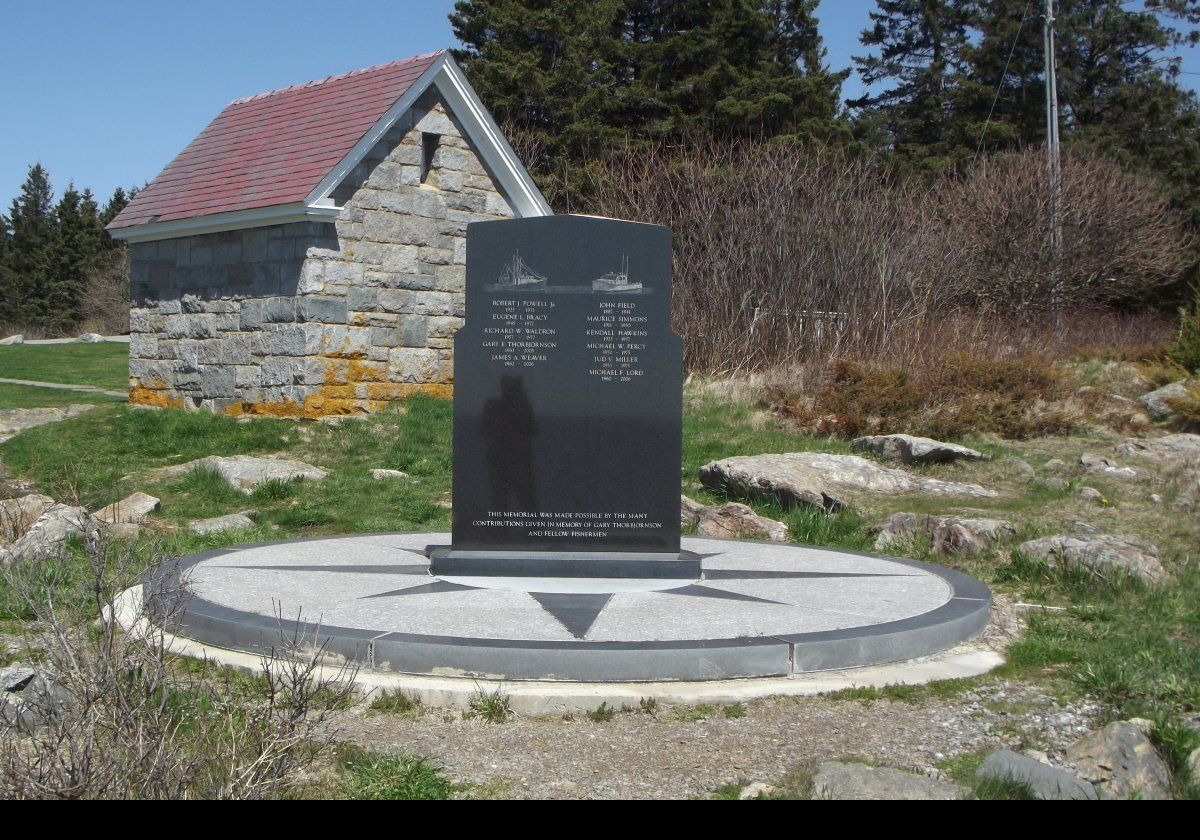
(758, 610)
(532, 698)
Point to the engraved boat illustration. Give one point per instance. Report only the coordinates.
(519, 275)
(617, 281)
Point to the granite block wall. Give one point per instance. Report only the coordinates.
(320, 318)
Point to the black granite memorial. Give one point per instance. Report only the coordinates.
(567, 404)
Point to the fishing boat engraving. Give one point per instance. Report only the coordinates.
(516, 274)
(617, 281)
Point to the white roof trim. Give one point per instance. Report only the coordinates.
(524, 196)
(235, 220)
(512, 178)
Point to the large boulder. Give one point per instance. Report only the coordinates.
(124, 531)
(245, 472)
(1157, 401)
(17, 515)
(915, 450)
(733, 521)
(821, 480)
(839, 780)
(29, 697)
(1043, 780)
(947, 534)
(1104, 466)
(1179, 447)
(1120, 760)
(229, 522)
(16, 420)
(12, 339)
(689, 510)
(133, 509)
(386, 474)
(1189, 490)
(49, 535)
(1102, 553)
(90, 338)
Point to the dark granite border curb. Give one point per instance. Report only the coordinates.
(962, 617)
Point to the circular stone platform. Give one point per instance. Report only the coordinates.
(760, 610)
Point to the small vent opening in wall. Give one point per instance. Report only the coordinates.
(429, 147)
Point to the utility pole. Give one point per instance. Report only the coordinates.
(1055, 160)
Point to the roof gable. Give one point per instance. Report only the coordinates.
(279, 154)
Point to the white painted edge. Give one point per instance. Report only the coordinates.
(523, 194)
(444, 74)
(556, 698)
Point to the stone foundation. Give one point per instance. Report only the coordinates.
(324, 317)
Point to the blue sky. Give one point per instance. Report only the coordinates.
(105, 93)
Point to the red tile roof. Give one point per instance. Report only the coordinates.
(273, 148)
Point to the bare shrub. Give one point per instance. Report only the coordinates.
(787, 255)
(104, 305)
(1120, 236)
(781, 252)
(139, 722)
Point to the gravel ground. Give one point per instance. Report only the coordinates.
(668, 755)
(660, 756)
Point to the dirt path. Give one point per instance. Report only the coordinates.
(637, 755)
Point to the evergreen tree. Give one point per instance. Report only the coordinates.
(919, 59)
(730, 66)
(116, 203)
(5, 236)
(75, 251)
(8, 288)
(1001, 100)
(27, 257)
(546, 66)
(586, 76)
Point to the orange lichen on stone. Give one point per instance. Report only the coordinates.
(363, 371)
(282, 410)
(352, 386)
(387, 391)
(343, 350)
(156, 395)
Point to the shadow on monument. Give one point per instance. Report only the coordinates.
(509, 429)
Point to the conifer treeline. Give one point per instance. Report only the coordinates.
(50, 249)
(949, 80)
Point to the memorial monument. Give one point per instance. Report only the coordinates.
(567, 404)
(566, 562)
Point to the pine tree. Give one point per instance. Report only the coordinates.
(588, 76)
(545, 66)
(5, 236)
(116, 203)
(920, 44)
(27, 258)
(1001, 99)
(8, 289)
(731, 66)
(75, 252)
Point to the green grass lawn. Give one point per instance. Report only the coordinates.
(30, 396)
(1135, 648)
(103, 365)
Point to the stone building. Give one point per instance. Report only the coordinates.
(305, 254)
